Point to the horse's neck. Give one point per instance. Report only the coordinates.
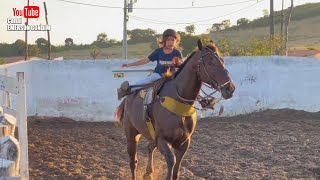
(187, 83)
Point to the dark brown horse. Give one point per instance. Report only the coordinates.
(173, 132)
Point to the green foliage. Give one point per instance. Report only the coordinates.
(19, 45)
(33, 50)
(7, 50)
(258, 47)
(242, 21)
(68, 42)
(101, 41)
(216, 27)
(224, 46)
(17, 49)
(95, 52)
(154, 45)
(2, 61)
(265, 12)
(141, 35)
(190, 29)
(299, 12)
(42, 44)
(205, 39)
(188, 43)
(311, 48)
(226, 24)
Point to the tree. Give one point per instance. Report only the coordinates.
(141, 35)
(33, 50)
(189, 42)
(224, 46)
(42, 44)
(217, 27)
(190, 29)
(19, 45)
(95, 52)
(226, 24)
(242, 21)
(102, 41)
(265, 13)
(258, 47)
(68, 42)
(2, 61)
(102, 37)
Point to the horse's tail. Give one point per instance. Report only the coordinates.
(118, 114)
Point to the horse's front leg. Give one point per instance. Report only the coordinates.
(180, 152)
(165, 149)
(149, 170)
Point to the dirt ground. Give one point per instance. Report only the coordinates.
(273, 144)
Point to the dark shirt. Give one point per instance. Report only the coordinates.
(163, 60)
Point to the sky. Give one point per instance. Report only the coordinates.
(83, 23)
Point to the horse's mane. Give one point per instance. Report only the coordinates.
(210, 46)
(184, 63)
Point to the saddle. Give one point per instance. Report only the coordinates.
(149, 93)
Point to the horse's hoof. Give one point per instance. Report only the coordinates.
(147, 177)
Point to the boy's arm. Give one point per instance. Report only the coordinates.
(137, 63)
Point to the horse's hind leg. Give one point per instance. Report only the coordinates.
(165, 150)
(132, 140)
(149, 170)
(180, 152)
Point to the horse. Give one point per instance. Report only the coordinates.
(173, 131)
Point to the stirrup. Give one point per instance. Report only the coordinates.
(121, 93)
(125, 86)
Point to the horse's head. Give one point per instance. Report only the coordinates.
(211, 70)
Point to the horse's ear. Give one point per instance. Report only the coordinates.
(200, 44)
(211, 43)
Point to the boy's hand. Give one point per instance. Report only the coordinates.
(125, 65)
(177, 61)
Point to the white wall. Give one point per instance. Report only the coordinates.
(273, 82)
(86, 89)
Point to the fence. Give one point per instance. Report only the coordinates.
(13, 152)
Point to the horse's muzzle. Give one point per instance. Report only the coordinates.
(227, 90)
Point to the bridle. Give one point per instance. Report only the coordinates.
(214, 85)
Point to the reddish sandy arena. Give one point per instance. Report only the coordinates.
(274, 144)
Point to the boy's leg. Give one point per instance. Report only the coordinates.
(146, 80)
(125, 87)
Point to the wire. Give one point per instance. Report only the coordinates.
(195, 7)
(230, 13)
(167, 8)
(93, 5)
(196, 22)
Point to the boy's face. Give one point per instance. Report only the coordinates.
(170, 42)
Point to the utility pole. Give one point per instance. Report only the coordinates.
(49, 44)
(287, 29)
(124, 41)
(26, 40)
(282, 20)
(271, 27)
(271, 19)
(281, 30)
